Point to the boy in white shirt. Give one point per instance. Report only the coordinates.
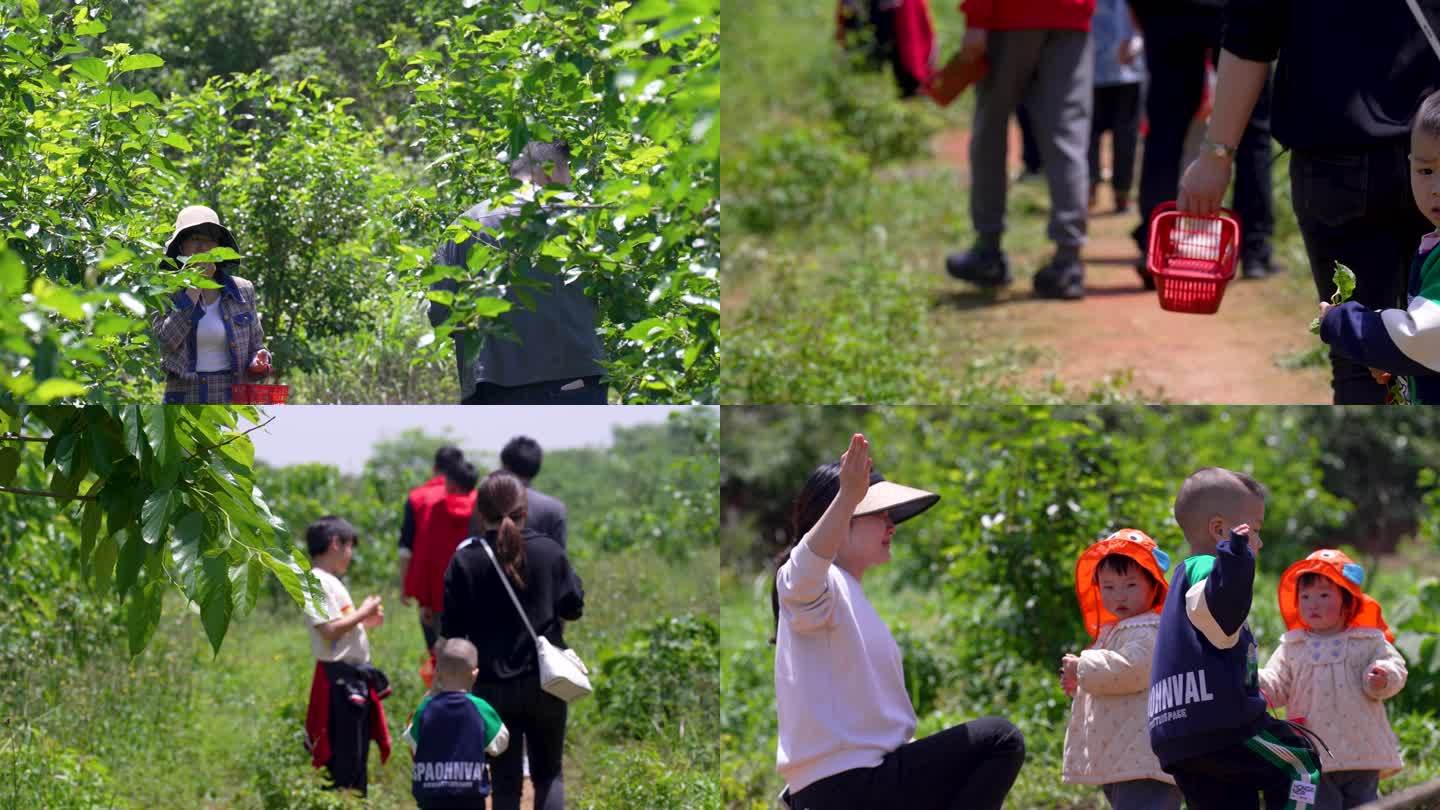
(346, 691)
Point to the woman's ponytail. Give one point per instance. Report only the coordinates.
(501, 501)
(511, 551)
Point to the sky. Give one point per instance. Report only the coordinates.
(343, 434)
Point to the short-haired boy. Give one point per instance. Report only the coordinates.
(345, 691)
(452, 732)
(1207, 719)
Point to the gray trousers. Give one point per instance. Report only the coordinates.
(1051, 72)
(1344, 789)
(1142, 794)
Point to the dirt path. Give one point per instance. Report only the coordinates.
(1119, 327)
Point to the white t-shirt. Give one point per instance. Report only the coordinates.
(839, 678)
(354, 646)
(211, 346)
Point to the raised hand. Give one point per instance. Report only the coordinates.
(855, 466)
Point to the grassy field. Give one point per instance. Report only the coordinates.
(178, 728)
(926, 625)
(841, 205)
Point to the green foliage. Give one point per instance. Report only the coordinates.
(41, 773)
(165, 498)
(793, 177)
(338, 205)
(664, 678)
(1344, 279)
(885, 128)
(634, 92)
(650, 777)
(1416, 622)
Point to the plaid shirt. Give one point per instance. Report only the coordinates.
(174, 330)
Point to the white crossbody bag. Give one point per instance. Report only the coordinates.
(562, 673)
(1425, 26)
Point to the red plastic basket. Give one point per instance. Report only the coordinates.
(254, 394)
(1192, 258)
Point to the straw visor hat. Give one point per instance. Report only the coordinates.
(900, 501)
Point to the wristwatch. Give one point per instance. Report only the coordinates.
(1219, 150)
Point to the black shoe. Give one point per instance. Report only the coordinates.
(986, 267)
(1143, 272)
(1062, 278)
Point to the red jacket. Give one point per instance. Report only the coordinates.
(1016, 15)
(438, 530)
(317, 718)
(915, 39)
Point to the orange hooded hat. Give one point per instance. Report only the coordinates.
(1347, 574)
(1134, 544)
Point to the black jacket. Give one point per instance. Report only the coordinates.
(478, 608)
(1350, 75)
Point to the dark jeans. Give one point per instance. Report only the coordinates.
(349, 730)
(1176, 41)
(967, 767)
(1117, 110)
(1234, 778)
(1029, 147)
(1355, 207)
(547, 392)
(536, 721)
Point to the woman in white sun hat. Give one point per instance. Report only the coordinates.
(209, 339)
(846, 722)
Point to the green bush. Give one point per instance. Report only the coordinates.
(793, 177)
(650, 776)
(885, 127)
(664, 681)
(37, 771)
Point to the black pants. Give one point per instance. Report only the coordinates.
(1234, 778)
(1029, 147)
(1355, 207)
(967, 767)
(1117, 111)
(1176, 41)
(548, 392)
(536, 721)
(349, 728)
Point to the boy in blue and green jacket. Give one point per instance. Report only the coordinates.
(1207, 719)
(452, 732)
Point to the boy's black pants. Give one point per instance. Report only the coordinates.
(349, 727)
(1234, 778)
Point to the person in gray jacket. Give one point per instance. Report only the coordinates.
(547, 514)
(552, 354)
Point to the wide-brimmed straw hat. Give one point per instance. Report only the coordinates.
(199, 218)
(900, 501)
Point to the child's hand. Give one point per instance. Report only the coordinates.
(1254, 537)
(1070, 674)
(1382, 377)
(1324, 308)
(1376, 678)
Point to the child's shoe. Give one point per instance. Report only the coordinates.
(1143, 271)
(1063, 278)
(984, 266)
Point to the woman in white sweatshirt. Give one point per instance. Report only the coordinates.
(846, 722)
